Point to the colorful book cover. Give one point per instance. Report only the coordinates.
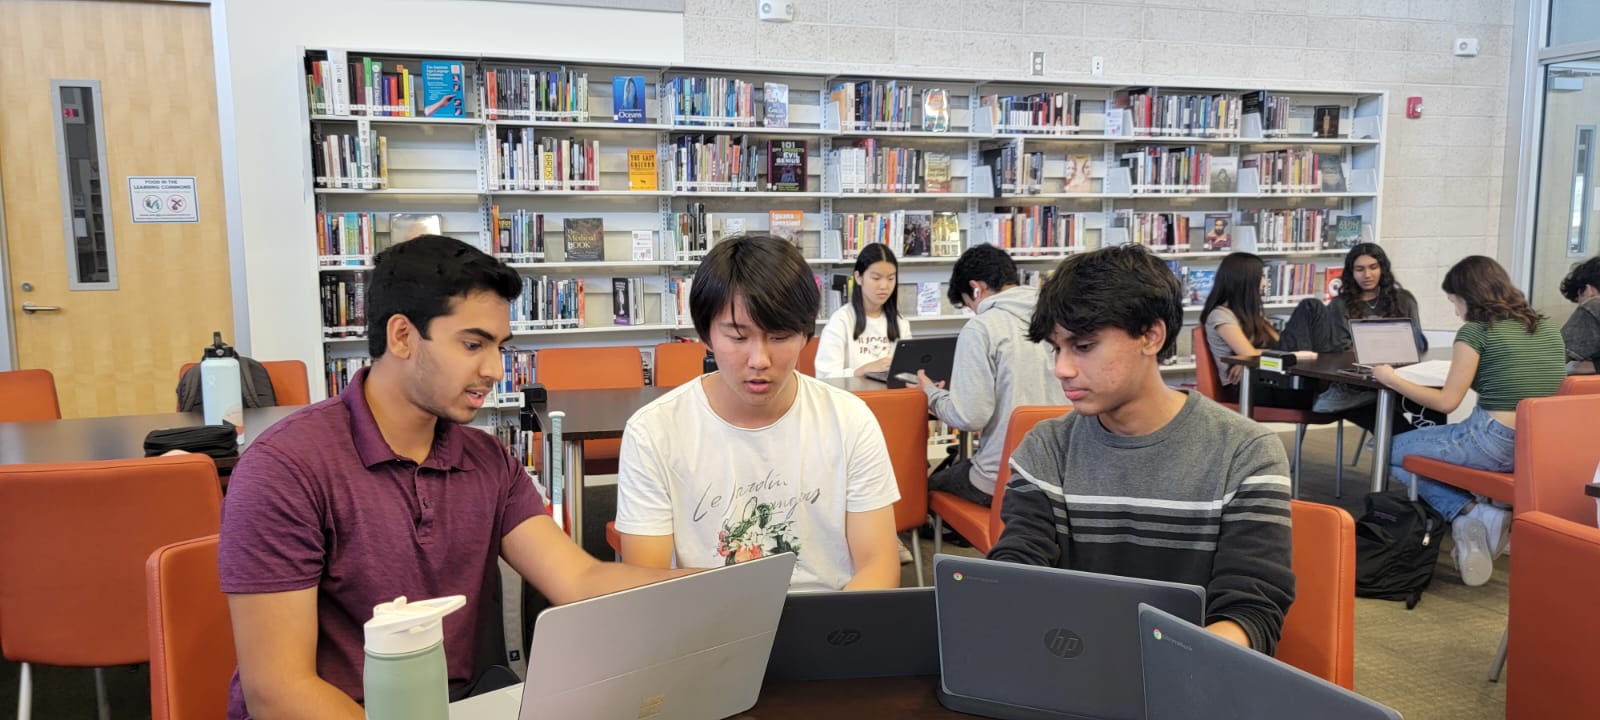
(1200, 285)
(775, 96)
(1219, 231)
(918, 241)
(627, 98)
(1077, 176)
(1331, 281)
(936, 173)
(621, 301)
(642, 172)
(1347, 231)
(786, 165)
(935, 110)
(443, 88)
(585, 239)
(946, 234)
(786, 224)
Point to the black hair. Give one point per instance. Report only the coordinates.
(982, 263)
(869, 255)
(1124, 286)
(1238, 286)
(778, 288)
(420, 277)
(1389, 289)
(1582, 275)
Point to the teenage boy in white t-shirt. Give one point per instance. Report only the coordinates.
(756, 458)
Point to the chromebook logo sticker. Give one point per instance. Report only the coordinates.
(1157, 633)
(956, 576)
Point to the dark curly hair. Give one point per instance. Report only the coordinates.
(1485, 287)
(1582, 275)
(982, 263)
(1124, 286)
(1389, 305)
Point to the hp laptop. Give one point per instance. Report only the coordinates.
(1190, 673)
(931, 355)
(1383, 342)
(860, 634)
(1020, 642)
(689, 648)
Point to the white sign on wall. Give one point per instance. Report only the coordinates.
(163, 199)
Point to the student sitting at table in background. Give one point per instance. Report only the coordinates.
(1142, 479)
(755, 458)
(995, 369)
(860, 337)
(380, 492)
(1236, 325)
(1581, 333)
(1506, 352)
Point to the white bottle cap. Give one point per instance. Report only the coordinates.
(401, 628)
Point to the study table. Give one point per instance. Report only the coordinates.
(1338, 368)
(112, 438)
(891, 698)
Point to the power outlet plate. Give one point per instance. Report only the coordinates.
(1097, 65)
(1038, 62)
(1466, 47)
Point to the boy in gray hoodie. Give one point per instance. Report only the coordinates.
(996, 368)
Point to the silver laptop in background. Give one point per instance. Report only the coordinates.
(1190, 673)
(1021, 642)
(690, 648)
(1384, 342)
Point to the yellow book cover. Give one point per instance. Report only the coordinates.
(642, 170)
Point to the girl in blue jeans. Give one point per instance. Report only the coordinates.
(1506, 352)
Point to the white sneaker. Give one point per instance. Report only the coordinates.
(905, 553)
(1471, 551)
(1497, 523)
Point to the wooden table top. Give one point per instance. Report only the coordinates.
(109, 438)
(1333, 367)
(898, 698)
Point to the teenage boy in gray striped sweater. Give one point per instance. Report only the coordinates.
(1141, 479)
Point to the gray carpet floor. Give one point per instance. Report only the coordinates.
(1429, 663)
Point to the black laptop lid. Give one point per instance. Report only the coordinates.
(857, 634)
(933, 355)
(1191, 673)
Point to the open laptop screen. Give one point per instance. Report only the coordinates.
(1383, 342)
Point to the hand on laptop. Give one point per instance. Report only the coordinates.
(1385, 374)
(879, 365)
(925, 382)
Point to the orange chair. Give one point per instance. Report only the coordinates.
(191, 639)
(74, 539)
(808, 358)
(679, 362)
(289, 384)
(981, 525)
(1580, 385)
(1552, 623)
(1205, 380)
(592, 368)
(903, 416)
(30, 395)
(1319, 633)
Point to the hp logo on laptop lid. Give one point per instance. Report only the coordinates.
(843, 637)
(1063, 643)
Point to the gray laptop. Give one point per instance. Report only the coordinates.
(690, 648)
(858, 634)
(931, 355)
(1384, 342)
(1020, 642)
(1190, 673)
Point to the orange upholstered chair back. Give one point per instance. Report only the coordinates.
(74, 539)
(28, 395)
(808, 358)
(1205, 371)
(1319, 634)
(1023, 418)
(1557, 455)
(679, 362)
(903, 415)
(589, 368)
(1580, 385)
(1552, 623)
(191, 638)
(289, 384)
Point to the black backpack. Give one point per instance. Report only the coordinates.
(1397, 547)
(254, 384)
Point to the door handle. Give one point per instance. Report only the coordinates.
(31, 308)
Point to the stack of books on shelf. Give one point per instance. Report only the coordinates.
(1273, 110)
(344, 238)
(1163, 232)
(521, 161)
(909, 233)
(690, 232)
(1289, 282)
(865, 167)
(710, 101)
(344, 305)
(547, 304)
(519, 235)
(714, 163)
(1034, 230)
(365, 87)
(1296, 170)
(350, 161)
(1166, 169)
(518, 368)
(874, 105)
(1046, 113)
(337, 371)
(1015, 172)
(558, 95)
(1213, 115)
(1290, 229)
(521, 445)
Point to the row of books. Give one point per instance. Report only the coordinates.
(347, 234)
(521, 444)
(1166, 169)
(344, 304)
(518, 368)
(874, 105)
(522, 161)
(718, 101)
(364, 87)
(338, 370)
(1297, 170)
(1033, 230)
(523, 93)
(1213, 115)
(715, 163)
(865, 167)
(1293, 229)
(1163, 232)
(356, 161)
(910, 233)
(519, 235)
(1052, 113)
(547, 303)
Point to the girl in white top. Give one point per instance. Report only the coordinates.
(860, 337)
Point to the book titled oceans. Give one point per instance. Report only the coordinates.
(443, 88)
(627, 97)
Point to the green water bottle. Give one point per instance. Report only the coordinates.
(405, 677)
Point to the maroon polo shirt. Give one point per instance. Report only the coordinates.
(320, 500)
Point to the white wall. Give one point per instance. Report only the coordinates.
(265, 42)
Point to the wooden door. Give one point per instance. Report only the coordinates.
(113, 351)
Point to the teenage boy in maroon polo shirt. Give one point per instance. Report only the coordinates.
(380, 492)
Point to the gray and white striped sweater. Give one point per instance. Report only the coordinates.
(1204, 500)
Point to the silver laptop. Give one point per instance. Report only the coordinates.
(690, 648)
(1384, 342)
(1190, 673)
(857, 634)
(1021, 642)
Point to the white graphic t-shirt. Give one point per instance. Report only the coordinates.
(728, 494)
(839, 354)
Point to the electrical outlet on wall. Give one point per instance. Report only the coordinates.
(1097, 65)
(1038, 62)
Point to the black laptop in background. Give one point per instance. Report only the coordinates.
(858, 634)
(931, 355)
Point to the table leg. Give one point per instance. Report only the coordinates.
(573, 460)
(1382, 432)
(1246, 391)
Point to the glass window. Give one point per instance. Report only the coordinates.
(1564, 224)
(1574, 21)
(80, 148)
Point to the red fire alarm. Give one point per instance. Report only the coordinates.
(1414, 107)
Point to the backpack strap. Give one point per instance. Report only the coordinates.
(248, 383)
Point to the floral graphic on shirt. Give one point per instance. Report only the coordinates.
(755, 535)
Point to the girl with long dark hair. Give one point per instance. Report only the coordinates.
(1369, 289)
(1236, 324)
(860, 337)
(1506, 352)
